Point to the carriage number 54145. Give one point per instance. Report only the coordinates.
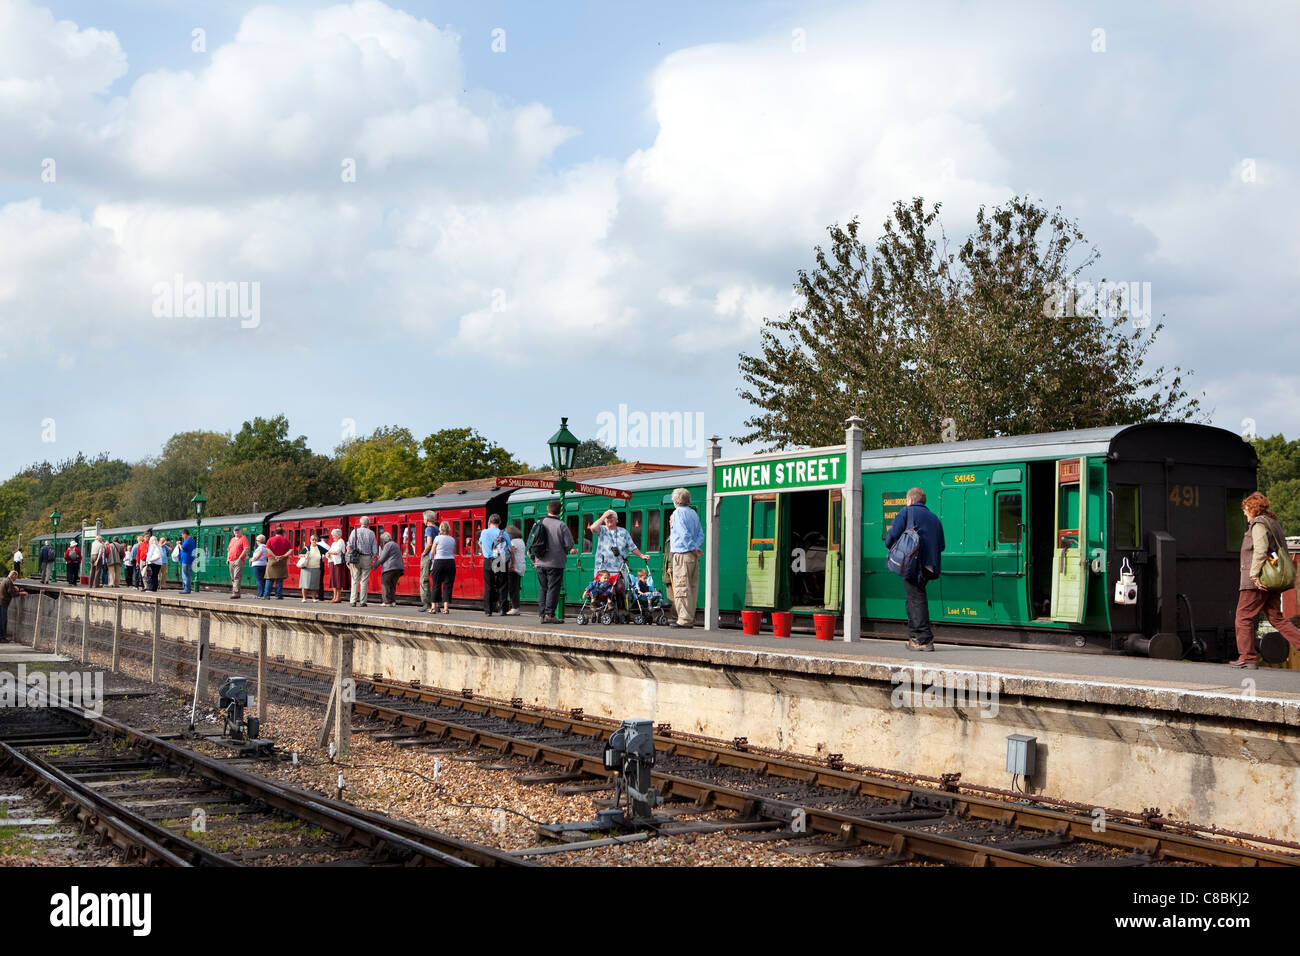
(1185, 496)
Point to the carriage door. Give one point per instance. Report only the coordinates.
(1069, 556)
(1010, 548)
(834, 551)
(760, 556)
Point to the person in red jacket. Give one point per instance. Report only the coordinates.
(235, 555)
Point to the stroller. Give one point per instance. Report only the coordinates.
(601, 607)
(613, 608)
(646, 607)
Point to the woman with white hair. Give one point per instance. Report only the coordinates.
(334, 556)
(309, 568)
(613, 545)
(258, 564)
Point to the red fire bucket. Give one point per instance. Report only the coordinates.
(750, 621)
(782, 621)
(825, 626)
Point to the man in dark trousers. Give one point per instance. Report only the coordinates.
(550, 567)
(925, 567)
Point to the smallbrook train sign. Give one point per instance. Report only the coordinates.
(820, 470)
(554, 484)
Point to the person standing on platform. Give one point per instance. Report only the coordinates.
(142, 562)
(46, 558)
(258, 563)
(924, 567)
(515, 574)
(187, 547)
(391, 565)
(338, 571)
(18, 561)
(494, 546)
(1264, 540)
(113, 562)
(128, 563)
(426, 559)
(444, 568)
(8, 591)
(363, 548)
(309, 569)
(72, 557)
(236, 552)
(685, 544)
(551, 560)
(164, 558)
(277, 564)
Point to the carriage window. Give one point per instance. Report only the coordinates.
(476, 537)
(652, 531)
(572, 522)
(1128, 532)
(528, 527)
(762, 523)
(1009, 518)
(1235, 519)
(455, 530)
(634, 527)
(587, 522)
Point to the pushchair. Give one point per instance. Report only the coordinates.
(603, 608)
(645, 607)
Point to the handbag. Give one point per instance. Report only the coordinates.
(352, 555)
(1278, 572)
(302, 562)
(903, 553)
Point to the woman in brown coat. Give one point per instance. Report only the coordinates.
(1263, 535)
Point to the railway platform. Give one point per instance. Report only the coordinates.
(1195, 742)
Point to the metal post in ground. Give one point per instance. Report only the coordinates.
(117, 634)
(157, 638)
(346, 695)
(852, 550)
(205, 636)
(85, 629)
(262, 691)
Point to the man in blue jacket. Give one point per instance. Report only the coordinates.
(924, 568)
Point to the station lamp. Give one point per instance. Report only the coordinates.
(199, 502)
(563, 445)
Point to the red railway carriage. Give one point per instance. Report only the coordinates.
(403, 518)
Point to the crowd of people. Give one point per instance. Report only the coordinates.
(344, 564)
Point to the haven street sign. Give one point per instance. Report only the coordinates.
(821, 470)
(555, 484)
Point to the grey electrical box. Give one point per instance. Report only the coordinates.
(1020, 754)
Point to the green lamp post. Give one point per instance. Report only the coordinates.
(199, 502)
(563, 445)
(54, 520)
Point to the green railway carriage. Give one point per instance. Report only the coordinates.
(1037, 530)
(646, 515)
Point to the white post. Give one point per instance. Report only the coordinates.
(712, 536)
(853, 530)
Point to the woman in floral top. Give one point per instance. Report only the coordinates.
(609, 536)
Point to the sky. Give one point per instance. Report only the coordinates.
(497, 214)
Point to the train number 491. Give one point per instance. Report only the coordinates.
(1185, 496)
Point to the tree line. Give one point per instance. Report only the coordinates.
(258, 468)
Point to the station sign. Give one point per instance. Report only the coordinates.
(556, 484)
(824, 469)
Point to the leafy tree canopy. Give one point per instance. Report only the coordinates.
(385, 465)
(459, 454)
(593, 452)
(925, 344)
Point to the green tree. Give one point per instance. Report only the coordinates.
(927, 345)
(385, 465)
(593, 452)
(1279, 478)
(161, 490)
(459, 454)
(266, 439)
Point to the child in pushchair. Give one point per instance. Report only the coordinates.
(598, 601)
(647, 602)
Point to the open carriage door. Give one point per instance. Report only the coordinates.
(834, 595)
(1069, 556)
(760, 551)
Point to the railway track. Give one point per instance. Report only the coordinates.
(871, 818)
(866, 818)
(163, 804)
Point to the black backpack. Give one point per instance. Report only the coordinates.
(540, 543)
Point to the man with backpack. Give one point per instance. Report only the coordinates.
(494, 545)
(72, 558)
(549, 546)
(917, 562)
